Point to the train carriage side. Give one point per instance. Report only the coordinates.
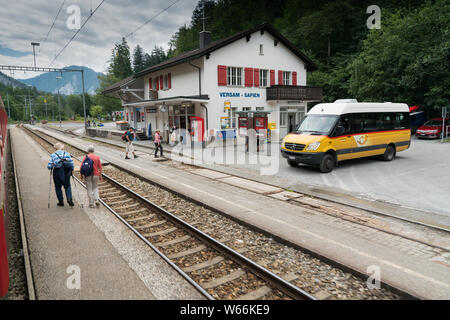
(4, 272)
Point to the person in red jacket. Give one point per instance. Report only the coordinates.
(93, 180)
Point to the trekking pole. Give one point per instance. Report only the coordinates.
(50, 188)
(76, 191)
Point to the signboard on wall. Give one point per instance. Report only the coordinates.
(151, 110)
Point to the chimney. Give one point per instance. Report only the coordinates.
(205, 39)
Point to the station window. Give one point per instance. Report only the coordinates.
(166, 82)
(246, 109)
(263, 78)
(286, 78)
(261, 50)
(283, 117)
(234, 76)
(259, 108)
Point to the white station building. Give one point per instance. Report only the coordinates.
(257, 71)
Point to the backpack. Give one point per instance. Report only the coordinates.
(124, 136)
(63, 163)
(87, 167)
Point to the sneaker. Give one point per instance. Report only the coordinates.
(97, 203)
(126, 158)
(135, 156)
(60, 204)
(91, 206)
(70, 202)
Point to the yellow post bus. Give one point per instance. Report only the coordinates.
(333, 132)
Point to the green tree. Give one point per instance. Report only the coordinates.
(408, 59)
(109, 104)
(120, 63)
(96, 111)
(138, 59)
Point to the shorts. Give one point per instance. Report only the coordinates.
(129, 147)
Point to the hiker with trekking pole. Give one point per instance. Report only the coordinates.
(61, 167)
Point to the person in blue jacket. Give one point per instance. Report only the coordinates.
(61, 164)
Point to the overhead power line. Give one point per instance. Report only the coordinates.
(84, 23)
(152, 18)
(53, 24)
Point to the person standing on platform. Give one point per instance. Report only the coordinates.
(129, 137)
(61, 165)
(91, 172)
(158, 144)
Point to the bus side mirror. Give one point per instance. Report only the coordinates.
(339, 131)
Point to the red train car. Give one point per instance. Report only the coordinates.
(4, 272)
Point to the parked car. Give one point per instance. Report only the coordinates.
(418, 118)
(433, 128)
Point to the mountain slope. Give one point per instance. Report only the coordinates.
(8, 81)
(69, 84)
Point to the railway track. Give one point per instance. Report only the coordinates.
(214, 269)
(178, 245)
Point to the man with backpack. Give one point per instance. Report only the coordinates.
(61, 165)
(91, 172)
(128, 137)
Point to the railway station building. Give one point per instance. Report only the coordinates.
(207, 89)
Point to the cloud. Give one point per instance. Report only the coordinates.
(22, 22)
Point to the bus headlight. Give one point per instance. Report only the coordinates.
(282, 144)
(313, 146)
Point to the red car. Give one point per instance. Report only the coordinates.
(433, 128)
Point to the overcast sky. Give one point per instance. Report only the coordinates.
(26, 21)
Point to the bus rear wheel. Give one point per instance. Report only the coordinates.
(389, 154)
(327, 164)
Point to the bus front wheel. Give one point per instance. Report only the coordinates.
(327, 164)
(292, 163)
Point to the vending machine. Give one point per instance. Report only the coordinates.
(197, 129)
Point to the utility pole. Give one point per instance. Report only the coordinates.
(59, 101)
(34, 44)
(84, 101)
(45, 103)
(25, 107)
(9, 109)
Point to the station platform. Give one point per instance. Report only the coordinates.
(90, 245)
(413, 267)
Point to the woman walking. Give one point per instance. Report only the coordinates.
(158, 144)
(91, 172)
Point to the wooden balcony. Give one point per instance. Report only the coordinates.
(294, 93)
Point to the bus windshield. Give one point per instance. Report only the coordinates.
(317, 124)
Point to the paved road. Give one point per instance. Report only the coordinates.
(419, 177)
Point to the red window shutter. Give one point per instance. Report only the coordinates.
(248, 77)
(272, 77)
(157, 84)
(256, 77)
(161, 82)
(280, 77)
(150, 83)
(169, 80)
(294, 78)
(222, 75)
